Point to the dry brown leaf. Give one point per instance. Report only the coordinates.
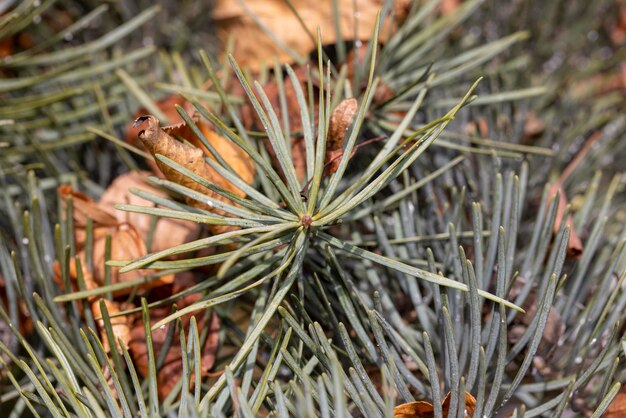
(617, 26)
(597, 84)
(25, 321)
(167, 232)
(422, 409)
(85, 208)
(238, 159)
(167, 107)
(533, 127)
(574, 245)
(171, 371)
(158, 141)
(548, 349)
(449, 6)
(470, 405)
(251, 120)
(617, 409)
(87, 278)
(126, 244)
(383, 93)
(6, 47)
(120, 325)
(417, 409)
(253, 46)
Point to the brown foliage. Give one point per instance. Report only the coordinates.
(170, 371)
(120, 325)
(159, 142)
(253, 46)
(167, 232)
(617, 409)
(422, 409)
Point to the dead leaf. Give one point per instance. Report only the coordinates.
(120, 325)
(470, 405)
(6, 47)
(533, 127)
(548, 349)
(617, 409)
(417, 409)
(167, 232)
(158, 141)
(449, 6)
(574, 245)
(422, 409)
(238, 159)
(383, 93)
(167, 107)
(126, 244)
(617, 28)
(253, 46)
(171, 371)
(7, 334)
(84, 208)
(596, 85)
(251, 120)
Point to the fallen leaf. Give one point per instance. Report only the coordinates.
(170, 372)
(252, 122)
(617, 28)
(168, 109)
(238, 159)
(548, 349)
(167, 106)
(6, 47)
(253, 46)
(83, 209)
(158, 141)
(449, 6)
(167, 232)
(25, 321)
(120, 325)
(422, 409)
(617, 408)
(574, 245)
(533, 127)
(126, 244)
(596, 85)
(383, 93)
(417, 409)
(470, 405)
